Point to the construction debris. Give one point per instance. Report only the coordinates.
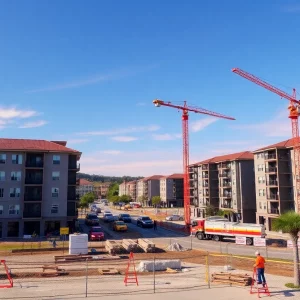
(51, 270)
(232, 279)
(108, 271)
(147, 245)
(169, 270)
(114, 247)
(159, 265)
(176, 247)
(131, 246)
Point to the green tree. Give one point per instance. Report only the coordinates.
(143, 199)
(125, 198)
(114, 199)
(289, 222)
(210, 210)
(113, 190)
(86, 199)
(155, 200)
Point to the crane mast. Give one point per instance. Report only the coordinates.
(185, 139)
(294, 110)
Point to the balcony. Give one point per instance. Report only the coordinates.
(270, 156)
(224, 166)
(226, 205)
(271, 170)
(225, 184)
(226, 195)
(32, 210)
(31, 180)
(205, 175)
(33, 194)
(225, 174)
(272, 183)
(273, 211)
(71, 209)
(272, 197)
(34, 160)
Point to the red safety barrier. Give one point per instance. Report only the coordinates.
(10, 284)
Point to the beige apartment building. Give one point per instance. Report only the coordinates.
(227, 183)
(275, 183)
(171, 190)
(147, 188)
(129, 188)
(84, 187)
(100, 189)
(37, 187)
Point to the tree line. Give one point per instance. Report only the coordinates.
(103, 178)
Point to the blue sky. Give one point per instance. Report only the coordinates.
(87, 72)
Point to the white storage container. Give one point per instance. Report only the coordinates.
(78, 244)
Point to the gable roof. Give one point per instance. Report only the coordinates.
(153, 177)
(245, 155)
(85, 182)
(282, 145)
(35, 145)
(173, 176)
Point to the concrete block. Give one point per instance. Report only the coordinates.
(160, 265)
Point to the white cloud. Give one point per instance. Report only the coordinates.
(166, 137)
(118, 131)
(279, 126)
(111, 152)
(201, 124)
(77, 141)
(33, 124)
(12, 113)
(95, 79)
(124, 138)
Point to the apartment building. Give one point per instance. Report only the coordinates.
(123, 188)
(37, 186)
(147, 188)
(100, 189)
(275, 182)
(132, 190)
(171, 190)
(227, 183)
(84, 187)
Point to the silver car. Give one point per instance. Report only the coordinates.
(174, 218)
(108, 217)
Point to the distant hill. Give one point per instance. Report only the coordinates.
(103, 178)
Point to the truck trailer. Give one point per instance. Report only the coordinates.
(217, 228)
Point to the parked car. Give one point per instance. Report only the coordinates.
(96, 209)
(96, 234)
(108, 217)
(119, 226)
(91, 219)
(144, 222)
(174, 218)
(125, 218)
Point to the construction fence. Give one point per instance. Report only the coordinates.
(52, 275)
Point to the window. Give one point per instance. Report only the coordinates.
(55, 175)
(2, 176)
(14, 192)
(14, 209)
(260, 167)
(1, 209)
(55, 192)
(15, 176)
(233, 181)
(54, 209)
(56, 159)
(2, 158)
(260, 206)
(17, 159)
(1, 192)
(261, 179)
(261, 192)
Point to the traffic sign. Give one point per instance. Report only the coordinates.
(64, 230)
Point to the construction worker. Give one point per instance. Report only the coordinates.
(260, 269)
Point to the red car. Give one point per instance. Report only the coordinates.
(96, 234)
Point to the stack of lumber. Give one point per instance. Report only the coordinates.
(108, 271)
(231, 278)
(147, 245)
(50, 270)
(114, 247)
(130, 246)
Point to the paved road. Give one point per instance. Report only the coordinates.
(162, 236)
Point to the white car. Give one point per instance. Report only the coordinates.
(174, 218)
(108, 217)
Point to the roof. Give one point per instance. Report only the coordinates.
(35, 145)
(85, 182)
(153, 177)
(245, 155)
(174, 176)
(283, 144)
(131, 182)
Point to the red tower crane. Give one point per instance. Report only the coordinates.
(294, 110)
(185, 135)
